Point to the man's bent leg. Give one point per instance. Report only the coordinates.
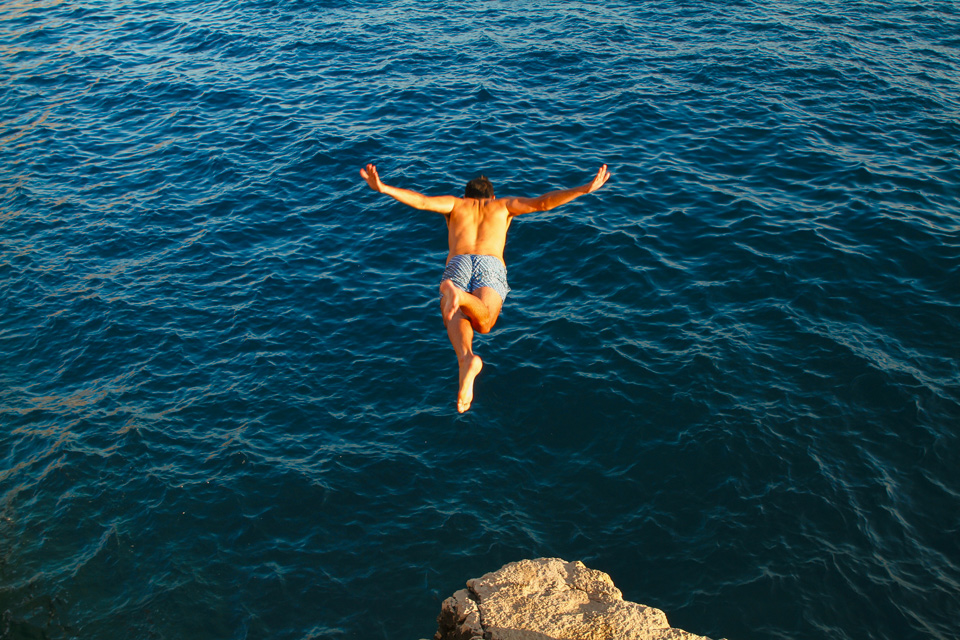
(482, 306)
(493, 303)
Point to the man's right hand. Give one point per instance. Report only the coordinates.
(602, 176)
(373, 179)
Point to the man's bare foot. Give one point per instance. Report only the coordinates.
(470, 366)
(451, 299)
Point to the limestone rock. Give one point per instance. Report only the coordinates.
(549, 599)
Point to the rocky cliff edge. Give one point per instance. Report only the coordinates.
(549, 599)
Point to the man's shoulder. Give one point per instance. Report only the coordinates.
(495, 204)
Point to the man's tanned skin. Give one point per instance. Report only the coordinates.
(476, 226)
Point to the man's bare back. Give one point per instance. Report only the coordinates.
(476, 228)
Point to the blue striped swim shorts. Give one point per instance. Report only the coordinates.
(470, 272)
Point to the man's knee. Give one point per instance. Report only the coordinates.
(483, 327)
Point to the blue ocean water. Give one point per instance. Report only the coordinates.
(729, 379)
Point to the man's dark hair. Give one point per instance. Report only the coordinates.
(479, 188)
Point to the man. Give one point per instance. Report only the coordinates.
(474, 283)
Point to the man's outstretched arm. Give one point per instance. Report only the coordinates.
(440, 204)
(517, 206)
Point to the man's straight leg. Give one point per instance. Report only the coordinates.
(460, 332)
(462, 312)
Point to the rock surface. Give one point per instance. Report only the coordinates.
(549, 599)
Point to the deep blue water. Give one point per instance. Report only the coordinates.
(729, 379)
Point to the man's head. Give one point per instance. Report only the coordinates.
(479, 188)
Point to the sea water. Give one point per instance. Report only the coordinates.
(729, 378)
